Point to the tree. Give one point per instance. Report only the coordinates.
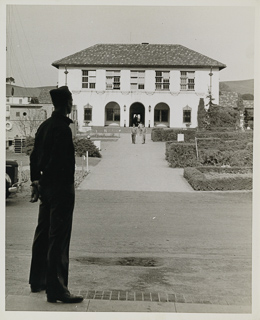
(222, 117)
(34, 100)
(248, 96)
(211, 99)
(30, 121)
(10, 80)
(202, 117)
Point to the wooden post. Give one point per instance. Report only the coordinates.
(87, 160)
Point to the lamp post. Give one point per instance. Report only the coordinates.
(66, 73)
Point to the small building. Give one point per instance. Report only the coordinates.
(26, 109)
(121, 84)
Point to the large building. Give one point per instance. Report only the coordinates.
(158, 85)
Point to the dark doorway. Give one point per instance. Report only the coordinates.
(136, 114)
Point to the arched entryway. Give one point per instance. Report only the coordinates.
(162, 115)
(136, 114)
(112, 114)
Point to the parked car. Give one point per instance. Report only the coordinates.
(11, 177)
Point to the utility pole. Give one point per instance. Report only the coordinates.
(66, 73)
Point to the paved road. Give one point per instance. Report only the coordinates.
(135, 167)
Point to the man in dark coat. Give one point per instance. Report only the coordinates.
(52, 165)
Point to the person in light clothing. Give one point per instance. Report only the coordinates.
(143, 134)
(133, 133)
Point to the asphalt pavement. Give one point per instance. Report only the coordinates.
(143, 241)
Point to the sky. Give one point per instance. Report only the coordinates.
(38, 35)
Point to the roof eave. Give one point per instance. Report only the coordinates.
(134, 66)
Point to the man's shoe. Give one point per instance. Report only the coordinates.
(37, 288)
(65, 297)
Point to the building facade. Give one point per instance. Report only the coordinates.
(23, 117)
(158, 85)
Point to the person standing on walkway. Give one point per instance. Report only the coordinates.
(52, 165)
(143, 134)
(133, 133)
(140, 129)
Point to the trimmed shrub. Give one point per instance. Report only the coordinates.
(181, 155)
(208, 179)
(222, 117)
(170, 134)
(83, 145)
(202, 117)
(227, 135)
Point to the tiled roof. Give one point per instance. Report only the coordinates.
(42, 93)
(21, 91)
(44, 96)
(228, 99)
(138, 55)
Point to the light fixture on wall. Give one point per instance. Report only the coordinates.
(124, 107)
(149, 108)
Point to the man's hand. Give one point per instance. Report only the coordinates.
(35, 191)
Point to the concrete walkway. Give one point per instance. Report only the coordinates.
(134, 167)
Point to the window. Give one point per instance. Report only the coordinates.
(17, 114)
(113, 114)
(187, 114)
(7, 108)
(137, 80)
(88, 113)
(162, 80)
(20, 101)
(89, 79)
(7, 99)
(160, 115)
(113, 80)
(187, 80)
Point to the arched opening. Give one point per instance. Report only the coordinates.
(161, 115)
(136, 114)
(112, 114)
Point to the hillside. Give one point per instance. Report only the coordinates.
(240, 86)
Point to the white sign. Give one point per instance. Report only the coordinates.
(180, 137)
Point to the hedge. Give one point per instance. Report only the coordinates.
(170, 134)
(181, 155)
(81, 147)
(211, 152)
(235, 179)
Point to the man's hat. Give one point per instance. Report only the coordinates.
(60, 94)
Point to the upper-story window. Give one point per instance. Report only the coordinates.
(89, 79)
(20, 101)
(7, 99)
(137, 80)
(187, 80)
(162, 80)
(113, 79)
